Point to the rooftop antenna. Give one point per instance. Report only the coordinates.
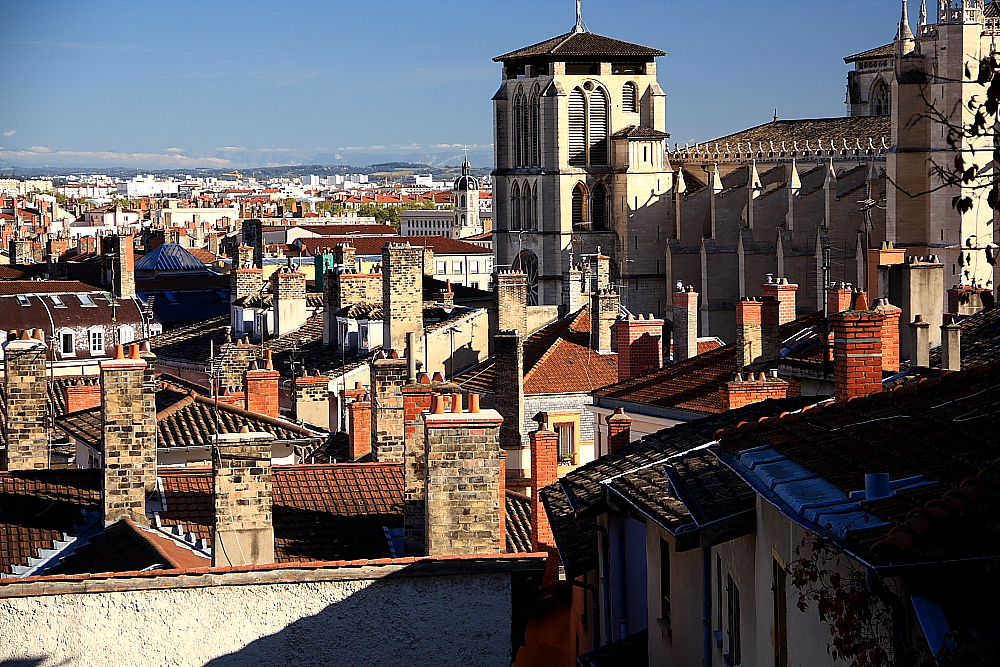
(580, 25)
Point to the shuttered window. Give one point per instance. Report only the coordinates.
(577, 129)
(629, 95)
(598, 127)
(536, 138)
(599, 207)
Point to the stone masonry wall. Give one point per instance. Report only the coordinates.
(388, 376)
(26, 389)
(402, 293)
(244, 533)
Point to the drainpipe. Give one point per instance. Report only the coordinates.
(606, 548)
(623, 593)
(706, 605)
(596, 612)
(897, 610)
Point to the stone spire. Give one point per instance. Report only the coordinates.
(904, 34)
(922, 19)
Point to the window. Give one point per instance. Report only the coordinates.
(126, 334)
(535, 136)
(23, 300)
(57, 301)
(515, 207)
(583, 69)
(462, 205)
(629, 95)
(96, 341)
(363, 336)
(67, 343)
(880, 99)
(580, 213)
(474, 284)
(86, 301)
(474, 266)
(733, 653)
(597, 127)
(577, 128)
(599, 207)
(566, 441)
(665, 582)
(456, 267)
(626, 69)
(442, 267)
(779, 593)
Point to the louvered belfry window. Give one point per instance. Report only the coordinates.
(598, 127)
(629, 95)
(577, 128)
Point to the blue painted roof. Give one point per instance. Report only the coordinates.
(169, 257)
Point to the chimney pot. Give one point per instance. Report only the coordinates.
(456, 404)
(438, 377)
(474, 403)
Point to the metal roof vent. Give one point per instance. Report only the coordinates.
(877, 486)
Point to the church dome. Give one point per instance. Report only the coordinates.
(466, 181)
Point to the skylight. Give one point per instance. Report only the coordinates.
(23, 300)
(57, 301)
(86, 300)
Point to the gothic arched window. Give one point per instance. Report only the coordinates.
(536, 139)
(630, 95)
(580, 212)
(577, 128)
(534, 207)
(519, 128)
(515, 207)
(527, 211)
(599, 207)
(597, 126)
(527, 263)
(879, 100)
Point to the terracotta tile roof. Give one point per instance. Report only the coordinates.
(372, 245)
(812, 129)
(518, 523)
(639, 132)
(124, 547)
(351, 229)
(557, 359)
(943, 431)
(13, 287)
(41, 506)
(886, 51)
(695, 383)
(576, 44)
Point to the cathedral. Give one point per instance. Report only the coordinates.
(584, 167)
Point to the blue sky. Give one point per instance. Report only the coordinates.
(176, 83)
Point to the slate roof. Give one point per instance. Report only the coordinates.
(695, 384)
(639, 132)
(812, 129)
(169, 257)
(583, 44)
(934, 438)
(881, 52)
(557, 360)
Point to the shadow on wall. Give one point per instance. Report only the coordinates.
(29, 662)
(465, 357)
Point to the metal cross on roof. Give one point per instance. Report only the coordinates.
(580, 25)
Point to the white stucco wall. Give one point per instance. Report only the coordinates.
(456, 620)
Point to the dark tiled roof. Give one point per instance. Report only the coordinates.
(193, 342)
(169, 257)
(518, 523)
(362, 311)
(205, 281)
(577, 543)
(813, 129)
(639, 132)
(12, 287)
(41, 506)
(880, 52)
(980, 339)
(348, 230)
(582, 44)
(695, 383)
(945, 429)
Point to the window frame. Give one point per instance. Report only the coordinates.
(62, 343)
(98, 334)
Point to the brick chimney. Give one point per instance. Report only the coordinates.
(572, 290)
(244, 530)
(838, 298)
(619, 430)
(446, 295)
(129, 427)
(890, 334)
(544, 471)
(345, 256)
(510, 294)
(260, 387)
(289, 300)
(920, 335)
(463, 479)
(312, 399)
(951, 345)
(749, 336)
(359, 414)
(244, 280)
(640, 346)
(388, 374)
(685, 324)
(742, 391)
(857, 350)
(402, 293)
(26, 392)
(118, 254)
(784, 293)
(83, 395)
(604, 308)
(508, 359)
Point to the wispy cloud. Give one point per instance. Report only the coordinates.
(175, 150)
(10, 133)
(50, 156)
(78, 45)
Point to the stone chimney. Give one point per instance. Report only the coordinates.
(890, 334)
(244, 530)
(463, 479)
(312, 399)
(253, 236)
(602, 272)
(917, 287)
(388, 374)
(742, 391)
(784, 293)
(604, 308)
(749, 335)
(345, 256)
(920, 335)
(838, 298)
(118, 256)
(83, 394)
(572, 290)
(965, 300)
(544, 471)
(243, 258)
(27, 393)
(951, 345)
(289, 300)
(129, 427)
(446, 295)
(619, 430)
(402, 293)
(640, 346)
(510, 294)
(260, 387)
(509, 386)
(857, 350)
(685, 324)
(244, 280)
(359, 415)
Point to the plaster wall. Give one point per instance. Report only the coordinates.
(434, 621)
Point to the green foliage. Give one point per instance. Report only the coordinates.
(383, 216)
(426, 205)
(330, 208)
